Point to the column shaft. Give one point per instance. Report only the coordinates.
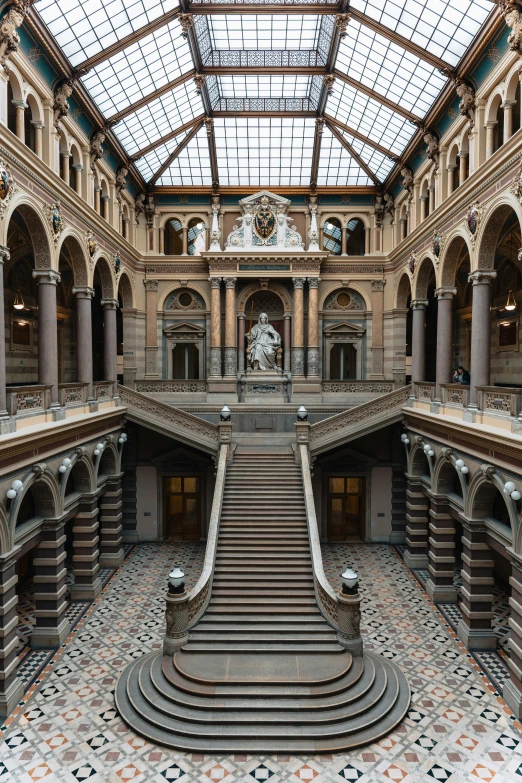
(444, 337)
(87, 583)
(398, 503)
(378, 329)
(344, 241)
(162, 241)
(66, 171)
(151, 328)
(508, 120)
(287, 350)
(215, 327)
(111, 551)
(480, 333)
(47, 332)
(84, 337)
(512, 692)
(4, 256)
(20, 107)
(367, 238)
(402, 224)
(52, 627)
(423, 208)
(313, 328)
(11, 688)
(474, 628)
(441, 554)
(490, 139)
(110, 341)
(230, 327)
(298, 336)
(463, 167)
(38, 138)
(418, 351)
(431, 192)
(416, 555)
(185, 241)
(241, 343)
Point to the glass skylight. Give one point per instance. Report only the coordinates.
(443, 27)
(192, 166)
(264, 32)
(389, 69)
(85, 27)
(150, 163)
(271, 151)
(286, 86)
(375, 160)
(336, 166)
(139, 70)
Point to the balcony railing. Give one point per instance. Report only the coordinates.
(103, 390)
(454, 395)
(354, 387)
(170, 387)
(72, 394)
(500, 400)
(424, 391)
(27, 399)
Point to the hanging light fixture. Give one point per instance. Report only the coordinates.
(18, 303)
(511, 302)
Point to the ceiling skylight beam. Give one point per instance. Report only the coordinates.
(319, 126)
(150, 97)
(211, 138)
(181, 146)
(348, 147)
(168, 137)
(338, 124)
(377, 96)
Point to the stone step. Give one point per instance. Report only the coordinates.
(250, 609)
(258, 647)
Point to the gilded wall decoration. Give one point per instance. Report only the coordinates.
(344, 300)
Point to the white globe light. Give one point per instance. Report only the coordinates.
(96, 452)
(431, 453)
(124, 435)
(67, 462)
(426, 448)
(99, 446)
(11, 494)
(407, 441)
(459, 463)
(17, 485)
(464, 470)
(509, 486)
(403, 436)
(62, 469)
(516, 495)
(120, 440)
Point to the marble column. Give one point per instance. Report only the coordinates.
(151, 328)
(52, 627)
(287, 351)
(66, 171)
(241, 343)
(444, 337)
(111, 550)
(344, 240)
(106, 208)
(125, 228)
(230, 357)
(20, 107)
(441, 553)
(215, 327)
(367, 239)
(47, 332)
(78, 168)
(417, 520)
(423, 208)
(431, 193)
(490, 138)
(97, 200)
(162, 240)
(474, 629)
(11, 688)
(451, 179)
(4, 256)
(418, 350)
(185, 241)
(377, 372)
(110, 341)
(508, 119)
(463, 167)
(84, 337)
(512, 693)
(313, 328)
(298, 336)
(86, 566)
(38, 137)
(403, 228)
(480, 332)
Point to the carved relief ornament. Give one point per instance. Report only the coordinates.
(7, 186)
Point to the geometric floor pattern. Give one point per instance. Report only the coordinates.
(67, 727)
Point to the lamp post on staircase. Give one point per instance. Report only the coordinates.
(349, 617)
(176, 613)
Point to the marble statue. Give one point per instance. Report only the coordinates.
(263, 344)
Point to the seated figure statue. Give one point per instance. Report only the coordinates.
(263, 344)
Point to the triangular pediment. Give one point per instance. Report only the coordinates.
(184, 326)
(344, 327)
(274, 198)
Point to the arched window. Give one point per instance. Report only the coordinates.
(173, 238)
(197, 240)
(355, 235)
(332, 236)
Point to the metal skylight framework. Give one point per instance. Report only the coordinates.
(212, 93)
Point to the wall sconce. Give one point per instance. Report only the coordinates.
(511, 490)
(459, 464)
(511, 303)
(18, 303)
(98, 450)
(66, 464)
(405, 439)
(123, 438)
(16, 486)
(428, 450)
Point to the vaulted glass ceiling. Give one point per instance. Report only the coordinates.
(264, 85)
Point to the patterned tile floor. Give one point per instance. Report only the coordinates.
(67, 728)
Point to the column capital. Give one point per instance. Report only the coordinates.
(403, 221)
(215, 282)
(230, 282)
(5, 255)
(287, 316)
(83, 292)
(77, 166)
(313, 282)
(491, 124)
(299, 282)
(37, 124)
(419, 304)
(378, 285)
(109, 304)
(150, 285)
(463, 154)
(445, 293)
(507, 104)
(241, 316)
(482, 277)
(20, 104)
(48, 276)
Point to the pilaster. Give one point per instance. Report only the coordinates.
(111, 551)
(52, 627)
(416, 555)
(474, 628)
(87, 583)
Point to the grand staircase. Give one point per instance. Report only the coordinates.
(262, 670)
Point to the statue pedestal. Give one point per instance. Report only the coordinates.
(267, 386)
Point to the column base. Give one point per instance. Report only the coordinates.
(7, 425)
(398, 537)
(86, 592)
(513, 698)
(415, 561)
(112, 559)
(10, 698)
(435, 407)
(43, 638)
(470, 414)
(93, 406)
(58, 414)
(441, 594)
(476, 638)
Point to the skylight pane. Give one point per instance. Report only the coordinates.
(158, 118)
(85, 27)
(271, 151)
(336, 166)
(264, 86)
(150, 163)
(389, 69)
(264, 31)
(375, 160)
(367, 116)
(192, 166)
(443, 27)
(139, 70)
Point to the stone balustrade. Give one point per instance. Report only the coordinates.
(28, 399)
(72, 394)
(170, 387)
(454, 395)
(424, 390)
(103, 390)
(505, 401)
(354, 387)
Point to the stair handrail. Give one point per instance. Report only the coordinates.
(199, 596)
(325, 595)
(328, 432)
(187, 427)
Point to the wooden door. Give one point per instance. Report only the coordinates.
(182, 508)
(346, 508)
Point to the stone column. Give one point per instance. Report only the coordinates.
(287, 351)
(230, 357)
(106, 206)
(512, 693)
(215, 327)
(47, 332)
(451, 179)
(377, 329)
(110, 340)
(480, 333)
(444, 337)
(84, 337)
(20, 107)
(4, 256)
(162, 241)
(418, 349)
(423, 208)
(403, 224)
(78, 168)
(474, 629)
(87, 583)
(241, 343)
(97, 200)
(298, 336)
(151, 328)
(431, 193)
(440, 587)
(111, 551)
(38, 137)
(125, 228)
(508, 119)
(313, 328)
(52, 627)
(185, 241)
(463, 167)
(11, 688)
(416, 555)
(344, 240)
(129, 340)
(367, 238)
(66, 172)
(490, 138)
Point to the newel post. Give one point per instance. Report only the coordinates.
(176, 613)
(225, 431)
(349, 614)
(302, 433)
